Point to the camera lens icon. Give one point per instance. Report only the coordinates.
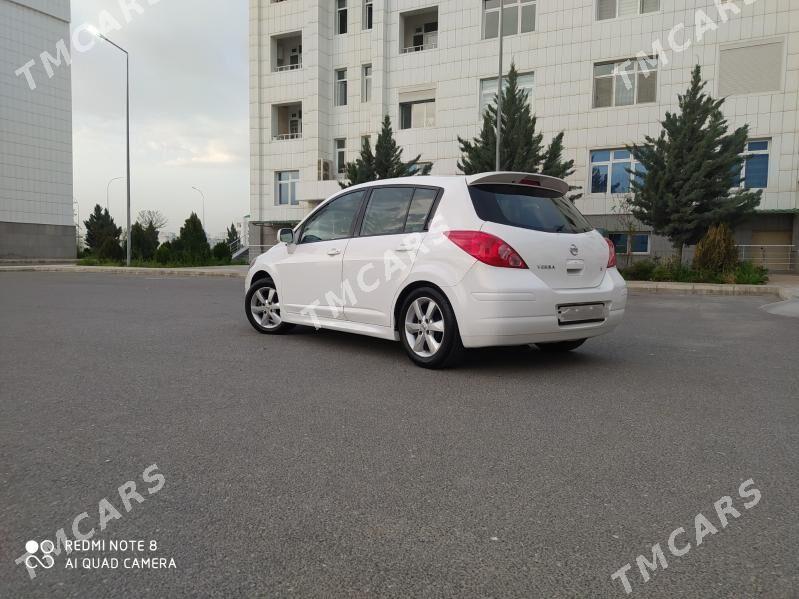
(46, 561)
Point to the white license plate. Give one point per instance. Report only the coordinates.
(577, 313)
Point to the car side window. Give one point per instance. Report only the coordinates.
(386, 212)
(423, 200)
(335, 220)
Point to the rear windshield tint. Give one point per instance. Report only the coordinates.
(528, 208)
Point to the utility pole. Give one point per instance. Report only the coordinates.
(499, 92)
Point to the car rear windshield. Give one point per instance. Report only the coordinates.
(528, 207)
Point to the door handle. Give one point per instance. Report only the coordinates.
(406, 248)
(333, 252)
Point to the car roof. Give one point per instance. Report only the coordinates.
(431, 180)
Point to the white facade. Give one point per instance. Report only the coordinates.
(753, 58)
(36, 204)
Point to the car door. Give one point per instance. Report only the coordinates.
(310, 275)
(380, 256)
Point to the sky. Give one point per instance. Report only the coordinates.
(189, 110)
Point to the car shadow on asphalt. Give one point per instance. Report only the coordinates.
(489, 358)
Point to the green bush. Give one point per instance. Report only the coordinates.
(716, 251)
(744, 273)
(639, 271)
(221, 252)
(163, 255)
(191, 247)
(749, 274)
(111, 250)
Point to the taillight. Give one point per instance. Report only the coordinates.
(486, 248)
(612, 256)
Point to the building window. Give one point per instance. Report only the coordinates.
(340, 95)
(518, 17)
(286, 187)
(341, 156)
(287, 122)
(417, 115)
(368, 14)
(625, 83)
(419, 30)
(610, 9)
(609, 171)
(639, 245)
(341, 16)
(366, 83)
(751, 68)
(754, 171)
(287, 52)
(488, 89)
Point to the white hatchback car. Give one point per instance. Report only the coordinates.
(442, 264)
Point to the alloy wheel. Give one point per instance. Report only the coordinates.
(424, 327)
(265, 308)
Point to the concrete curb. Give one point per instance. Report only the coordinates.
(784, 293)
(710, 289)
(120, 270)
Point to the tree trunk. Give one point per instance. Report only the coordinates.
(679, 248)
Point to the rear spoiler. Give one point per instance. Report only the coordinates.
(529, 179)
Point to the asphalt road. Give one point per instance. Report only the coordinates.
(321, 464)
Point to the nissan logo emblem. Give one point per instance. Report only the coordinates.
(574, 250)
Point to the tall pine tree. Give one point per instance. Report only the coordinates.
(522, 148)
(690, 170)
(232, 234)
(99, 227)
(386, 161)
(192, 245)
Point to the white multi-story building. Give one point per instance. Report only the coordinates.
(36, 204)
(324, 72)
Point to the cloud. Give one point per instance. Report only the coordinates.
(189, 68)
(214, 152)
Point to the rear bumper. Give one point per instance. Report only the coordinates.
(497, 306)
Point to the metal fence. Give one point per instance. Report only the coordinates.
(773, 257)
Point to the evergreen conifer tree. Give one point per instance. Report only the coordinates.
(690, 171)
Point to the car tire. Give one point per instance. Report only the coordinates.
(262, 306)
(428, 329)
(560, 346)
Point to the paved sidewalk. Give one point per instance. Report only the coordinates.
(205, 271)
(789, 284)
(784, 286)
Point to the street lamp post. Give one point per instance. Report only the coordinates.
(108, 191)
(499, 92)
(200, 191)
(97, 33)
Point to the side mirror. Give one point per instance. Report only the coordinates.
(285, 236)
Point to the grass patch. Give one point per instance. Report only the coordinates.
(91, 261)
(745, 273)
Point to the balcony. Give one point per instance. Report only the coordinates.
(419, 30)
(287, 122)
(287, 52)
